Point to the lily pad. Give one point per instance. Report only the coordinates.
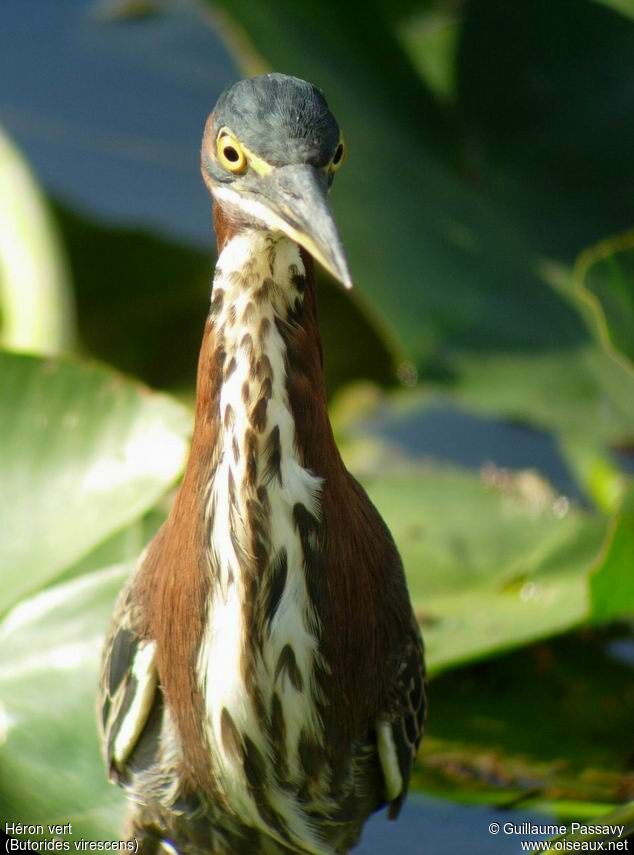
(492, 562)
(49, 656)
(83, 452)
(577, 392)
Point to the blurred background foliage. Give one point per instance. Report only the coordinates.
(481, 373)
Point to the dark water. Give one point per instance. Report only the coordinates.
(433, 827)
(110, 117)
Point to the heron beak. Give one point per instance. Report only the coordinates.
(296, 201)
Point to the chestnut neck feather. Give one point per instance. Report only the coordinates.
(353, 594)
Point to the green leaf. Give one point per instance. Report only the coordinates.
(549, 722)
(492, 562)
(124, 545)
(83, 452)
(605, 279)
(36, 307)
(612, 582)
(49, 653)
(577, 392)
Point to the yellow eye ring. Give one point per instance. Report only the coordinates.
(231, 155)
(338, 157)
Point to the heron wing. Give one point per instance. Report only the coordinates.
(128, 689)
(400, 730)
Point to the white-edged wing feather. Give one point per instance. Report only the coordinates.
(128, 689)
(143, 678)
(400, 730)
(389, 761)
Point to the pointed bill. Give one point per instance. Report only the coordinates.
(294, 200)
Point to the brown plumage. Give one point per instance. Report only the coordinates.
(282, 731)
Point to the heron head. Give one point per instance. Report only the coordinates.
(270, 152)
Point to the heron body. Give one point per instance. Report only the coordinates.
(263, 685)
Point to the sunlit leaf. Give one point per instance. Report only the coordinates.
(49, 653)
(575, 392)
(124, 545)
(36, 308)
(83, 452)
(492, 562)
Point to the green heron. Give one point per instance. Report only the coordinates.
(263, 684)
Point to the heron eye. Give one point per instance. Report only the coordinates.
(231, 155)
(338, 156)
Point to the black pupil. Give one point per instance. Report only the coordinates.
(338, 154)
(231, 154)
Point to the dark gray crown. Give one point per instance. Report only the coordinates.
(282, 119)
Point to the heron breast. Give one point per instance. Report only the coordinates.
(260, 660)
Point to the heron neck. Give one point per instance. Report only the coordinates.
(293, 313)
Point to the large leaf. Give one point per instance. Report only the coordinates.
(36, 309)
(492, 562)
(49, 654)
(83, 452)
(124, 545)
(578, 392)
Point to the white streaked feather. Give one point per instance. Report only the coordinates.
(389, 761)
(220, 663)
(144, 672)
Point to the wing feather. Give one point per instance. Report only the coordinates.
(128, 689)
(400, 729)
